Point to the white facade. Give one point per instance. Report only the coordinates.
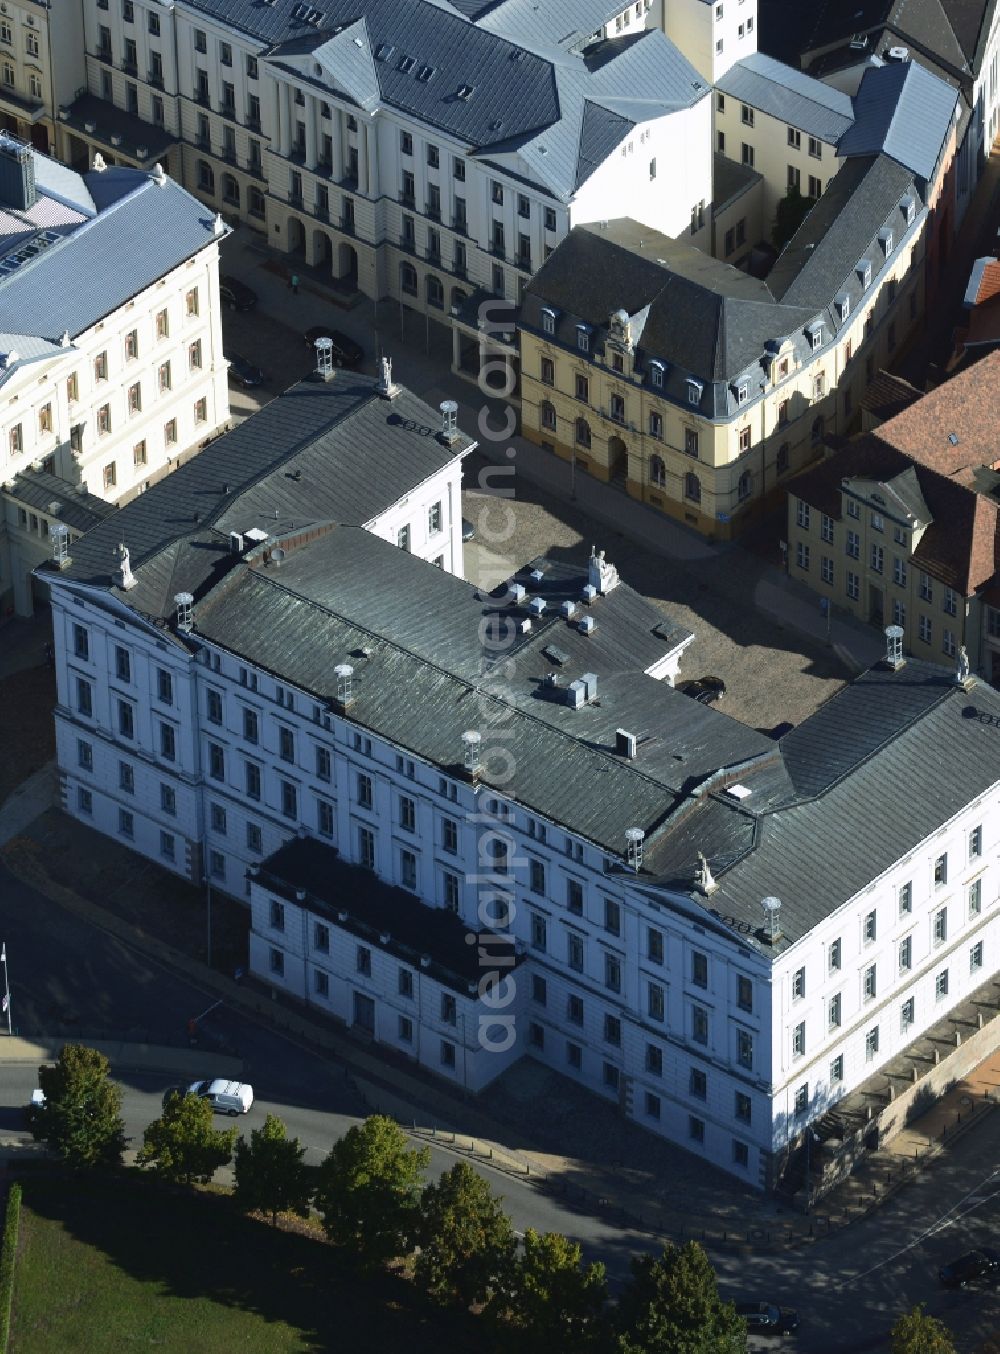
(129, 397)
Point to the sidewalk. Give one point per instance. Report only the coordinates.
(582, 1151)
(120, 1054)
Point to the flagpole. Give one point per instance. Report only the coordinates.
(6, 987)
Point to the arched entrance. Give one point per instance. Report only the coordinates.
(347, 264)
(617, 457)
(296, 236)
(322, 251)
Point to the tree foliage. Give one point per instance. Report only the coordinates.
(793, 209)
(554, 1302)
(182, 1145)
(466, 1239)
(81, 1118)
(917, 1333)
(368, 1191)
(271, 1176)
(671, 1305)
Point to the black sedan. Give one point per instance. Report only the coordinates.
(764, 1318)
(236, 294)
(705, 690)
(346, 353)
(970, 1268)
(244, 373)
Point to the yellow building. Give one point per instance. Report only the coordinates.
(700, 388)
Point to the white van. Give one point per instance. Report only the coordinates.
(229, 1097)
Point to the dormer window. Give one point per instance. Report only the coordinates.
(656, 370)
(909, 209)
(843, 303)
(865, 273)
(742, 393)
(548, 320)
(583, 338)
(694, 390)
(885, 240)
(815, 332)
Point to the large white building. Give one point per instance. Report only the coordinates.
(111, 361)
(363, 745)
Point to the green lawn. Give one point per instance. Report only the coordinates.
(122, 1266)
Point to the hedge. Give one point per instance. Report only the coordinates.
(8, 1254)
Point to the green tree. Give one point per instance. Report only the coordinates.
(793, 209)
(81, 1118)
(916, 1333)
(271, 1176)
(182, 1145)
(368, 1191)
(554, 1302)
(466, 1239)
(671, 1305)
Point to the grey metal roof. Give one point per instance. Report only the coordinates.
(134, 134)
(550, 23)
(730, 180)
(141, 231)
(789, 95)
(528, 97)
(73, 505)
(903, 110)
(318, 453)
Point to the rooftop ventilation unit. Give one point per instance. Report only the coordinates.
(472, 742)
(568, 608)
(537, 575)
(859, 42)
(898, 54)
(184, 601)
(738, 792)
(634, 838)
(344, 674)
(626, 744)
(536, 606)
(254, 537)
(464, 92)
(516, 592)
(587, 625)
(589, 593)
(772, 919)
(576, 694)
(589, 680)
(236, 542)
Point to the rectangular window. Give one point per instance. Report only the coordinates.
(941, 926)
(654, 945)
(126, 823)
(324, 818)
(574, 952)
(408, 870)
(802, 1098)
(799, 1040)
(168, 845)
(976, 957)
(798, 984)
(216, 761)
(84, 755)
(871, 1044)
(834, 1012)
(366, 848)
(905, 898)
(699, 969)
(126, 778)
(744, 993)
(834, 956)
(975, 843)
(870, 928)
(941, 985)
(255, 839)
(699, 1024)
(164, 687)
(870, 989)
(837, 1070)
(975, 897)
(612, 1030)
(744, 1049)
(655, 1001)
(941, 871)
(126, 719)
(612, 973)
(364, 786)
(612, 917)
(289, 800)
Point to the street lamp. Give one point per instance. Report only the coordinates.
(6, 987)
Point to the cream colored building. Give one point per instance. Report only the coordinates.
(701, 389)
(42, 65)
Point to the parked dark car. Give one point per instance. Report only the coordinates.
(764, 1318)
(970, 1268)
(244, 373)
(346, 353)
(236, 294)
(705, 690)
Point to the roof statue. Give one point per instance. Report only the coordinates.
(704, 879)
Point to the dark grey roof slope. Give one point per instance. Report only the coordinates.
(840, 230)
(143, 231)
(56, 498)
(600, 133)
(905, 111)
(788, 95)
(318, 453)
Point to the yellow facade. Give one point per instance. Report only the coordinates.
(715, 475)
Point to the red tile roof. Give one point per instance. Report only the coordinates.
(966, 408)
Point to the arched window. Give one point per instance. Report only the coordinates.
(548, 414)
(744, 486)
(817, 430)
(582, 433)
(692, 488)
(782, 463)
(408, 278)
(657, 472)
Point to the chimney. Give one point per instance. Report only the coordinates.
(586, 625)
(576, 694)
(184, 602)
(324, 359)
(123, 575)
(635, 837)
(894, 647)
(536, 606)
(568, 608)
(517, 593)
(17, 173)
(344, 674)
(625, 744)
(772, 919)
(472, 745)
(449, 426)
(589, 680)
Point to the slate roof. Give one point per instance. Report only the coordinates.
(132, 232)
(903, 110)
(374, 908)
(730, 180)
(952, 29)
(528, 96)
(789, 95)
(109, 121)
(80, 510)
(703, 318)
(319, 453)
